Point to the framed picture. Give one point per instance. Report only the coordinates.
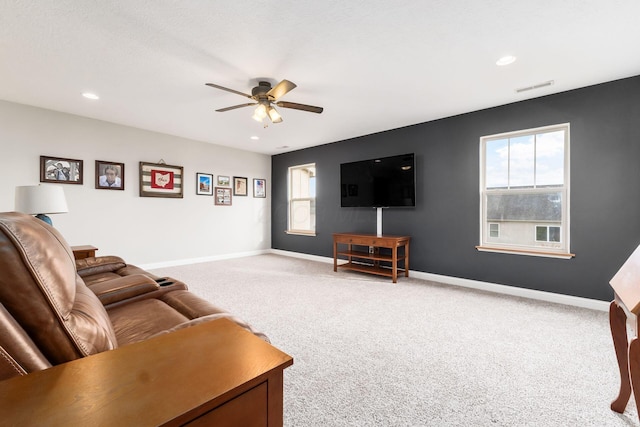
(259, 187)
(160, 180)
(224, 180)
(58, 169)
(239, 186)
(223, 196)
(204, 184)
(109, 175)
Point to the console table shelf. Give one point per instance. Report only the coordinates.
(370, 262)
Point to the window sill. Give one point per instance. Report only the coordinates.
(529, 252)
(301, 232)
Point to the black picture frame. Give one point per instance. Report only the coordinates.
(204, 184)
(240, 186)
(61, 170)
(105, 171)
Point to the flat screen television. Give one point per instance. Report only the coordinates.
(382, 182)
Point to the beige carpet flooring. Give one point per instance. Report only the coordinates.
(371, 353)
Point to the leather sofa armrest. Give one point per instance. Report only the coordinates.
(122, 288)
(18, 353)
(101, 264)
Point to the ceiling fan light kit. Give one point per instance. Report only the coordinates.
(259, 113)
(264, 95)
(274, 115)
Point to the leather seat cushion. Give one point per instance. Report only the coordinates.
(142, 319)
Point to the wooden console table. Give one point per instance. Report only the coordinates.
(370, 262)
(626, 307)
(212, 374)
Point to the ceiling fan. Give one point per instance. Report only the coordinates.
(264, 96)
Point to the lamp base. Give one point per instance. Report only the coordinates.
(44, 218)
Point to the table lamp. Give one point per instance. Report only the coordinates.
(41, 200)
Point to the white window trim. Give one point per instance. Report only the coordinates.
(563, 253)
(290, 230)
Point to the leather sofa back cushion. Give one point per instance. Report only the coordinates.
(40, 288)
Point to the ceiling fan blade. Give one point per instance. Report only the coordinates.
(228, 90)
(302, 107)
(236, 106)
(281, 89)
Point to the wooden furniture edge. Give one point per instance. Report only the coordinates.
(83, 251)
(167, 380)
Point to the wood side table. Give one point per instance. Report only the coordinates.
(215, 373)
(84, 251)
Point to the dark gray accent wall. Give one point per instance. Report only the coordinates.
(444, 225)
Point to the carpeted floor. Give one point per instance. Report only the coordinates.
(371, 353)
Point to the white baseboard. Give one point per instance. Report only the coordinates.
(202, 259)
(485, 286)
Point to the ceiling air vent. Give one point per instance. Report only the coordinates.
(535, 86)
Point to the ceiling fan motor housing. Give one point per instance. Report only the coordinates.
(261, 90)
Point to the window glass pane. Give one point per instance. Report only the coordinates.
(312, 186)
(301, 215)
(497, 163)
(494, 230)
(550, 158)
(541, 234)
(530, 206)
(554, 234)
(521, 161)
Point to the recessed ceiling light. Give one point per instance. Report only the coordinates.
(90, 95)
(506, 60)
(255, 138)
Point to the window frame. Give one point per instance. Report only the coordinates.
(522, 248)
(291, 201)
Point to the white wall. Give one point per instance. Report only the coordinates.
(142, 230)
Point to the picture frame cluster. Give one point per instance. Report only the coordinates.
(156, 179)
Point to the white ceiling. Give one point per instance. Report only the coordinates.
(373, 65)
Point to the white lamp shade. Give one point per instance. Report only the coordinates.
(41, 199)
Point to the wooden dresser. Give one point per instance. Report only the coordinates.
(212, 374)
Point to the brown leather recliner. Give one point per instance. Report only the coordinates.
(48, 314)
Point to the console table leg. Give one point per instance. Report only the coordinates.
(618, 324)
(406, 260)
(394, 264)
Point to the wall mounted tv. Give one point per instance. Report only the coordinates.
(382, 182)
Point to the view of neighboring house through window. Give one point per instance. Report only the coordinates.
(494, 229)
(524, 186)
(302, 199)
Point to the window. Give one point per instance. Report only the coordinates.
(546, 233)
(524, 191)
(302, 199)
